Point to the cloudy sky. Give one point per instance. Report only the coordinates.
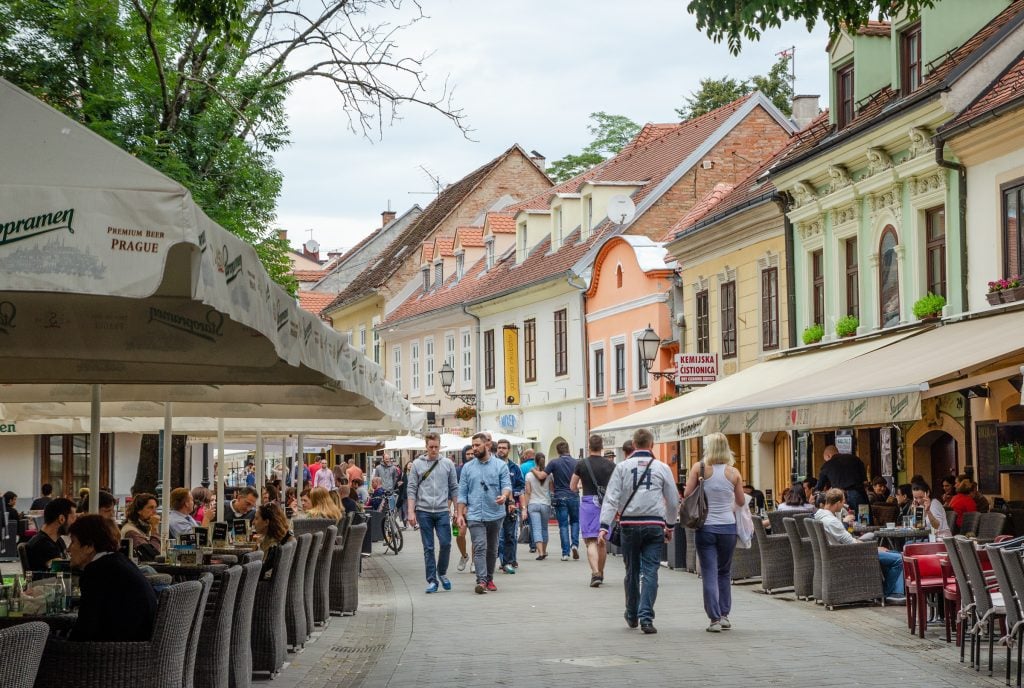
(526, 72)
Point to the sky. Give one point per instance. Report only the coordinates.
(526, 72)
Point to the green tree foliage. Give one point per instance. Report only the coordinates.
(713, 93)
(611, 134)
(197, 88)
(738, 19)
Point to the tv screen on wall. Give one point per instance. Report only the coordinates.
(1010, 437)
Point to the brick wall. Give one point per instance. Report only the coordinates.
(742, 151)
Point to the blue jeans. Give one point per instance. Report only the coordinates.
(539, 514)
(429, 522)
(892, 572)
(567, 511)
(507, 548)
(715, 545)
(641, 553)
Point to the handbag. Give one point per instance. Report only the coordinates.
(694, 509)
(615, 537)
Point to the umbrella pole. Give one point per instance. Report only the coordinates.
(165, 496)
(94, 450)
(261, 465)
(300, 461)
(219, 477)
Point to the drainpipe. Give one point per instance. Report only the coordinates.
(787, 228)
(583, 347)
(476, 376)
(940, 160)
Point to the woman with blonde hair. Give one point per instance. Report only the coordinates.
(322, 506)
(716, 539)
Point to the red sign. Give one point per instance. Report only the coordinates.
(696, 369)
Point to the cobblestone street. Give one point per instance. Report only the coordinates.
(545, 626)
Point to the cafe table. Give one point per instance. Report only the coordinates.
(60, 623)
(896, 538)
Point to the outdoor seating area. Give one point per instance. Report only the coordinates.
(248, 615)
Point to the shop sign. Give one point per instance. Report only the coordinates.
(696, 369)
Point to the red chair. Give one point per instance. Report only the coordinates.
(922, 576)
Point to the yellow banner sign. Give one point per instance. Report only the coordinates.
(511, 346)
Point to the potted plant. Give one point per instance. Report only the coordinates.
(1005, 290)
(929, 307)
(465, 413)
(847, 326)
(667, 396)
(813, 334)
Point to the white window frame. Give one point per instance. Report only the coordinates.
(460, 265)
(362, 339)
(396, 366)
(467, 358)
(637, 366)
(594, 348)
(414, 364)
(428, 357)
(489, 251)
(520, 242)
(449, 348)
(376, 340)
(438, 274)
(610, 380)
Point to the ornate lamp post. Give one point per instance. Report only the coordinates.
(647, 348)
(447, 374)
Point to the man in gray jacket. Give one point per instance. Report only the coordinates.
(647, 521)
(433, 485)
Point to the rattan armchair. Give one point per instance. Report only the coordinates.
(746, 562)
(21, 649)
(157, 663)
(691, 550)
(308, 593)
(295, 607)
(816, 556)
(969, 523)
(776, 558)
(803, 560)
(990, 525)
(345, 572)
(321, 612)
(849, 573)
(269, 637)
(240, 662)
(195, 631)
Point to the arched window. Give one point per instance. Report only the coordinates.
(888, 279)
(618, 276)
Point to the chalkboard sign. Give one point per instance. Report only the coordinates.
(187, 539)
(202, 536)
(240, 529)
(220, 532)
(987, 445)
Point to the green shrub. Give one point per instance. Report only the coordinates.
(847, 326)
(929, 305)
(813, 334)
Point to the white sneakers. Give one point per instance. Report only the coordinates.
(462, 563)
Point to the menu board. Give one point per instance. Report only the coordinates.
(188, 539)
(202, 536)
(220, 532)
(240, 529)
(987, 451)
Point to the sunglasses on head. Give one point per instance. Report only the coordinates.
(484, 485)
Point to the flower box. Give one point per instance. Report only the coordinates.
(1005, 296)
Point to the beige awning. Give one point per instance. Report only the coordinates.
(884, 385)
(689, 415)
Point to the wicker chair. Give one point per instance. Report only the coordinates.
(803, 560)
(308, 592)
(321, 587)
(1014, 567)
(969, 524)
(255, 555)
(691, 550)
(990, 525)
(986, 605)
(23, 556)
(295, 607)
(195, 631)
(157, 663)
(269, 636)
(21, 649)
(1011, 605)
(240, 662)
(816, 557)
(345, 572)
(849, 573)
(776, 558)
(746, 562)
(884, 513)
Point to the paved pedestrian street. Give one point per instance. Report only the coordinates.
(546, 627)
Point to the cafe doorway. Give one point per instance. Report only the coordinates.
(935, 456)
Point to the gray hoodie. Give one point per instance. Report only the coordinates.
(441, 485)
(656, 501)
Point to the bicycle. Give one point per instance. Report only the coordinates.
(393, 539)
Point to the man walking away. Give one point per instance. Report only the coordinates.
(484, 487)
(646, 521)
(507, 549)
(566, 503)
(432, 487)
(593, 473)
(848, 473)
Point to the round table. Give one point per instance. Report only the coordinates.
(897, 537)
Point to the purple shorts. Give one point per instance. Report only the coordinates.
(590, 517)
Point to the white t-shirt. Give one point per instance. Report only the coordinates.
(938, 511)
(539, 493)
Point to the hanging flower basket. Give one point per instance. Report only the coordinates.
(1005, 290)
(465, 413)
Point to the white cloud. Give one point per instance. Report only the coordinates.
(528, 72)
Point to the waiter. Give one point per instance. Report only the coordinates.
(847, 472)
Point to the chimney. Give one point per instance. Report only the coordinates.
(282, 234)
(387, 217)
(805, 109)
(538, 159)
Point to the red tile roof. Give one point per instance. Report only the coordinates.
(1008, 87)
(875, 28)
(314, 301)
(427, 251)
(887, 101)
(701, 208)
(309, 275)
(443, 246)
(379, 272)
(648, 133)
(501, 223)
(470, 237)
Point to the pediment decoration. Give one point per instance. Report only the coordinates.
(768, 260)
(727, 275)
(878, 160)
(809, 229)
(803, 193)
(839, 177)
(920, 141)
(888, 199)
(929, 183)
(701, 284)
(846, 214)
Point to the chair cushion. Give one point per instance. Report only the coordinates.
(930, 582)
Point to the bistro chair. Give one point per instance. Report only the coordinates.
(156, 663)
(240, 660)
(691, 550)
(849, 573)
(345, 572)
(1013, 613)
(988, 605)
(194, 631)
(21, 649)
(776, 558)
(1013, 565)
(322, 584)
(803, 560)
(312, 564)
(969, 525)
(816, 555)
(269, 637)
(295, 607)
(922, 576)
(23, 556)
(884, 513)
(746, 562)
(990, 525)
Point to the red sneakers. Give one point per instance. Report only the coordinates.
(491, 587)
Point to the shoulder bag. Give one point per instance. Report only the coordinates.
(694, 509)
(615, 537)
(597, 488)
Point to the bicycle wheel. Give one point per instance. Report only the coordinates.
(388, 533)
(398, 539)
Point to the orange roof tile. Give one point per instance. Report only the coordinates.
(875, 28)
(1007, 88)
(470, 237)
(501, 223)
(309, 275)
(443, 246)
(427, 251)
(314, 301)
(701, 208)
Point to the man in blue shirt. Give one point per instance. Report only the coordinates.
(565, 501)
(484, 487)
(507, 549)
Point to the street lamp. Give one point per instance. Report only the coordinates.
(647, 347)
(447, 374)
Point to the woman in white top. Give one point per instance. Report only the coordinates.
(716, 539)
(935, 513)
(537, 508)
(796, 500)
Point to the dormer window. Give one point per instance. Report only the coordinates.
(556, 230)
(844, 96)
(910, 59)
(521, 242)
(438, 274)
(489, 250)
(460, 265)
(426, 279)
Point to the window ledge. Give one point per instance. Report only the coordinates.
(642, 395)
(598, 401)
(619, 398)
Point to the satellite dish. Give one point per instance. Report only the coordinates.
(621, 209)
(311, 246)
